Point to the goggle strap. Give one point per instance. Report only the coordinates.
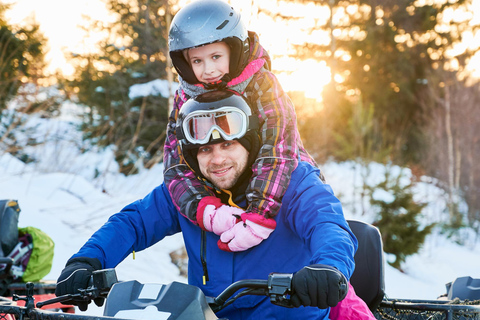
(253, 122)
(179, 133)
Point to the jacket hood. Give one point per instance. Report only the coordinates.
(257, 51)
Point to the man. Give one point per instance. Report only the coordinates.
(311, 237)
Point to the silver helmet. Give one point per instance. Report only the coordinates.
(203, 22)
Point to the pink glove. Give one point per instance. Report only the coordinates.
(214, 216)
(247, 233)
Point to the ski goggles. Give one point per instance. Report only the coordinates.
(226, 122)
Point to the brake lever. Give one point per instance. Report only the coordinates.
(99, 285)
(68, 298)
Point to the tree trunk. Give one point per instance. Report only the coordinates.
(168, 17)
(450, 154)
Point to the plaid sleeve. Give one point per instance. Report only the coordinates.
(278, 155)
(184, 188)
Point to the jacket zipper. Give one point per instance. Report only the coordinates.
(203, 242)
(203, 256)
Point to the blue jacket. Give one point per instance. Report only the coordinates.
(311, 229)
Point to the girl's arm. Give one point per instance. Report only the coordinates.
(278, 155)
(184, 188)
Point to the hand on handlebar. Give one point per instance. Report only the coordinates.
(76, 276)
(319, 286)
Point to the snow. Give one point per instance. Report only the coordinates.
(155, 87)
(69, 193)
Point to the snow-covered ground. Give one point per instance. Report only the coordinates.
(69, 194)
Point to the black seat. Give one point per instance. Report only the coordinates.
(368, 277)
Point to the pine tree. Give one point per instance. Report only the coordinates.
(21, 56)
(382, 53)
(21, 64)
(398, 219)
(134, 52)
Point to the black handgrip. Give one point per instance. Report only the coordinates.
(7, 265)
(6, 261)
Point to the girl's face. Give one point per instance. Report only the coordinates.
(209, 62)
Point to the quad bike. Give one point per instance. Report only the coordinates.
(133, 300)
(17, 246)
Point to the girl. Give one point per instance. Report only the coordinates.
(211, 49)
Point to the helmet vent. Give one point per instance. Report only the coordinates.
(224, 23)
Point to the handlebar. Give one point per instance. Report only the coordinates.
(277, 287)
(5, 266)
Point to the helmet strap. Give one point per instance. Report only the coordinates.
(218, 85)
(239, 54)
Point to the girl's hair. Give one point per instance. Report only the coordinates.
(203, 22)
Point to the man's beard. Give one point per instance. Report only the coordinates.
(229, 182)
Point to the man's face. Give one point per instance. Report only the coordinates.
(223, 163)
(210, 62)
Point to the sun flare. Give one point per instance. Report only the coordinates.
(61, 21)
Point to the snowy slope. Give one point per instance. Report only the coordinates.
(61, 195)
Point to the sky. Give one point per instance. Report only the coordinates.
(59, 21)
(61, 194)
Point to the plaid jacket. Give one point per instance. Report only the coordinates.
(279, 154)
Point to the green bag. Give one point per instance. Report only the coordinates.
(41, 258)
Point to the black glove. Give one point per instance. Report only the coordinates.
(318, 285)
(76, 275)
